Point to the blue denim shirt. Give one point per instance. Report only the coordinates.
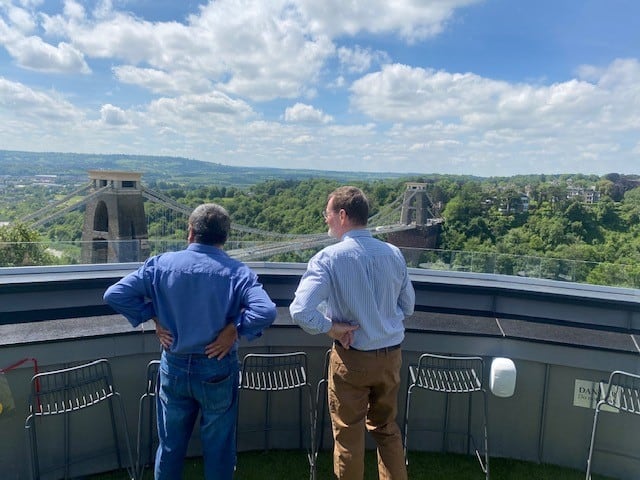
(194, 293)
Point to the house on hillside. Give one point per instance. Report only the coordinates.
(586, 195)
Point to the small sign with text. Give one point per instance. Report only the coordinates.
(587, 394)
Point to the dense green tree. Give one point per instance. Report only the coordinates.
(463, 216)
(582, 222)
(21, 246)
(607, 216)
(485, 226)
(630, 208)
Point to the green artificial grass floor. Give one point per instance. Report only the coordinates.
(287, 464)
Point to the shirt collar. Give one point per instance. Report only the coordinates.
(201, 247)
(356, 232)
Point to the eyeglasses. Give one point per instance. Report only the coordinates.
(325, 213)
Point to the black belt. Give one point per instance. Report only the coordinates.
(376, 350)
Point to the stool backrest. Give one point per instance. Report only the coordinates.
(70, 389)
(273, 372)
(449, 373)
(623, 392)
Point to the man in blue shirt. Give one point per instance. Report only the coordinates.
(367, 291)
(202, 300)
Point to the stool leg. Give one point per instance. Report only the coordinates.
(593, 439)
(406, 425)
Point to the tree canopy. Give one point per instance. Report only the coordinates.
(562, 236)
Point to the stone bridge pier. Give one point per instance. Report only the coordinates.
(115, 225)
(417, 209)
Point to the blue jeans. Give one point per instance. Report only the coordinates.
(188, 385)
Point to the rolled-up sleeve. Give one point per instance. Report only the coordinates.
(313, 289)
(258, 311)
(407, 297)
(129, 297)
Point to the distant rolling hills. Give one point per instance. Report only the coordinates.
(167, 169)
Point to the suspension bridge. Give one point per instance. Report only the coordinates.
(118, 207)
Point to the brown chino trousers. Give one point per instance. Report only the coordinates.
(363, 391)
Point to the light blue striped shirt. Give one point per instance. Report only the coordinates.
(364, 281)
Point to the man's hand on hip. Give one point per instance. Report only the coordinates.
(342, 332)
(223, 342)
(164, 335)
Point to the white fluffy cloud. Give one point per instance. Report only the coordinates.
(207, 110)
(31, 51)
(34, 54)
(161, 82)
(111, 115)
(486, 124)
(301, 113)
(412, 19)
(21, 19)
(257, 50)
(260, 50)
(250, 82)
(399, 93)
(36, 104)
(359, 60)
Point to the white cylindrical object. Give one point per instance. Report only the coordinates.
(503, 377)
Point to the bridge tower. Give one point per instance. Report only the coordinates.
(115, 226)
(415, 205)
(416, 210)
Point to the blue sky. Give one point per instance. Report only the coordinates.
(479, 87)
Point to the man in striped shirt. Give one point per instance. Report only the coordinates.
(365, 292)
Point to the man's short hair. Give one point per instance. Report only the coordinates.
(210, 224)
(353, 201)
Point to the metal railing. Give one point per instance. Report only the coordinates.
(561, 269)
(17, 254)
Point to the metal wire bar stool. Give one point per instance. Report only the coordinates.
(321, 406)
(621, 395)
(450, 375)
(67, 392)
(270, 373)
(146, 419)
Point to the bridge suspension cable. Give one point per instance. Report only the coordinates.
(168, 202)
(48, 208)
(384, 216)
(68, 208)
(380, 223)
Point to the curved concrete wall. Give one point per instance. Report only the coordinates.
(562, 338)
